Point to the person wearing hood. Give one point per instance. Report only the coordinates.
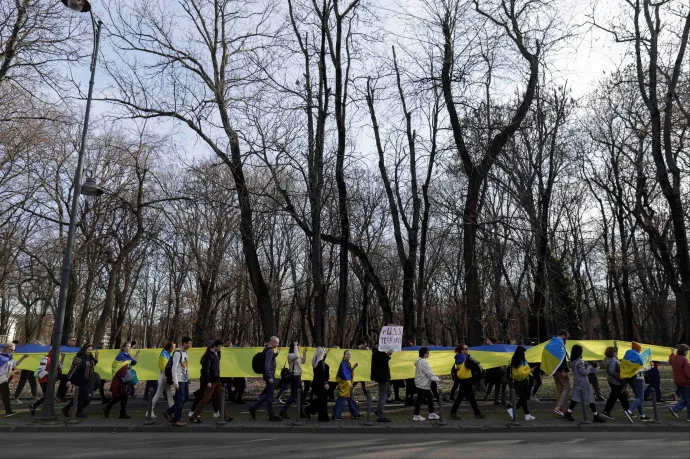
(7, 370)
(613, 377)
(423, 377)
(463, 362)
(346, 375)
(582, 389)
(319, 384)
(118, 387)
(381, 373)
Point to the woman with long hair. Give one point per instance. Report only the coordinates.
(519, 372)
(79, 375)
(319, 385)
(295, 362)
(582, 390)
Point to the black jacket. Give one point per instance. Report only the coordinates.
(321, 374)
(210, 368)
(380, 370)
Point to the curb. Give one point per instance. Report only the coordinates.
(449, 429)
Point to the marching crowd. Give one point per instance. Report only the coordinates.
(313, 396)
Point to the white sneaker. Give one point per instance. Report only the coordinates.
(510, 412)
(16, 401)
(418, 418)
(529, 417)
(190, 413)
(434, 416)
(216, 414)
(153, 416)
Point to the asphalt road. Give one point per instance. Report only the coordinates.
(190, 445)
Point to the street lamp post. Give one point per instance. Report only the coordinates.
(48, 408)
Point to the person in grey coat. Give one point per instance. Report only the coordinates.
(613, 377)
(582, 390)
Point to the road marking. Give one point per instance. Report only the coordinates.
(260, 439)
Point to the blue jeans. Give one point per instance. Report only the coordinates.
(351, 404)
(267, 398)
(637, 386)
(684, 401)
(294, 386)
(181, 396)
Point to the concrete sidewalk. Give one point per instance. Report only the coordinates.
(497, 420)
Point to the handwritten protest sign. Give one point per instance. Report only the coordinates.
(390, 338)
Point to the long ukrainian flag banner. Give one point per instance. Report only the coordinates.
(237, 362)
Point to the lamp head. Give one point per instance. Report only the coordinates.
(80, 6)
(91, 188)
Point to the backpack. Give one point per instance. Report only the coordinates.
(258, 362)
(454, 373)
(168, 369)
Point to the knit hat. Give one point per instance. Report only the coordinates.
(636, 346)
(209, 343)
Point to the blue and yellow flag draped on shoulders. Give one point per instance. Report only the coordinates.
(553, 355)
(122, 359)
(633, 362)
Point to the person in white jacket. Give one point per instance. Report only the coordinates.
(422, 380)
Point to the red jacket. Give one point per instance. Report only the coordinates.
(681, 370)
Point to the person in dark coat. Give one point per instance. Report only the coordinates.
(381, 373)
(319, 384)
(80, 375)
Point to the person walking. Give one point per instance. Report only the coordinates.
(519, 372)
(295, 362)
(62, 387)
(637, 386)
(210, 379)
(24, 377)
(120, 384)
(163, 387)
(7, 371)
(79, 375)
(560, 377)
(345, 377)
(423, 376)
(463, 363)
(653, 378)
(42, 373)
(681, 377)
(319, 403)
(613, 377)
(180, 380)
(270, 353)
(594, 382)
(582, 390)
(381, 374)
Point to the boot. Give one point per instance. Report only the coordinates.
(123, 409)
(284, 415)
(569, 416)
